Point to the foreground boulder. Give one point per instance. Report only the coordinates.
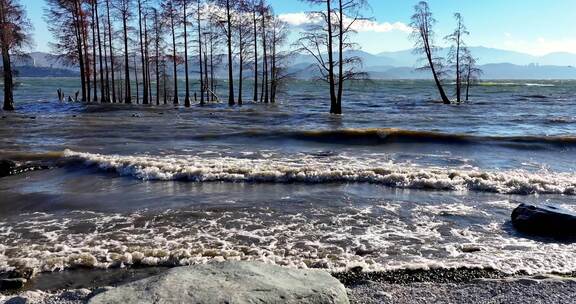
(233, 283)
(544, 220)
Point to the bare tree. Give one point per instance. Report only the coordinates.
(68, 26)
(171, 15)
(471, 73)
(200, 50)
(143, 56)
(423, 36)
(329, 35)
(185, 23)
(455, 54)
(111, 50)
(14, 34)
(279, 37)
(124, 8)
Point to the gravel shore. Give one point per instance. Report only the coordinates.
(457, 286)
(516, 291)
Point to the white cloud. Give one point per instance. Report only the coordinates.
(301, 19)
(541, 46)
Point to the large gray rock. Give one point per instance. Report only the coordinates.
(232, 283)
(545, 220)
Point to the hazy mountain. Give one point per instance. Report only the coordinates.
(497, 64)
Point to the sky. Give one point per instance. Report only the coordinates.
(537, 27)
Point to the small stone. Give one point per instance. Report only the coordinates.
(12, 284)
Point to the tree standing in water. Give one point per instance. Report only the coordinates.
(327, 39)
(423, 36)
(471, 72)
(124, 8)
(14, 33)
(455, 55)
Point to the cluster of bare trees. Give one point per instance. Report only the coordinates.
(460, 62)
(135, 50)
(14, 34)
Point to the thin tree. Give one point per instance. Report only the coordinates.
(170, 14)
(472, 73)
(228, 27)
(142, 53)
(455, 54)
(423, 35)
(14, 34)
(255, 9)
(185, 23)
(94, 45)
(111, 50)
(124, 8)
(200, 55)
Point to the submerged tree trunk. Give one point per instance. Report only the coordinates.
(142, 55)
(187, 101)
(330, 46)
(111, 47)
(6, 64)
(102, 86)
(202, 79)
(338, 109)
(230, 62)
(173, 26)
(127, 91)
(255, 21)
(94, 73)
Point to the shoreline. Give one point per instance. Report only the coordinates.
(471, 285)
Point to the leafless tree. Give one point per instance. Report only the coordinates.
(329, 36)
(14, 34)
(423, 35)
(67, 23)
(124, 10)
(455, 54)
(471, 73)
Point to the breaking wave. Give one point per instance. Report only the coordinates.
(317, 169)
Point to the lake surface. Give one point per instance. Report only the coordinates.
(398, 181)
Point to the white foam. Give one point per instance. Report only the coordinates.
(341, 168)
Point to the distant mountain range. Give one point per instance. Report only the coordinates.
(496, 64)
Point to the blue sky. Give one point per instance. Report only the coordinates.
(531, 26)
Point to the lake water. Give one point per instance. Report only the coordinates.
(398, 181)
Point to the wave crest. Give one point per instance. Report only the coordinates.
(303, 168)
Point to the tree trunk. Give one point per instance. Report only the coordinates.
(7, 67)
(142, 56)
(187, 101)
(136, 79)
(202, 80)
(127, 91)
(338, 109)
(110, 41)
(255, 54)
(157, 49)
(102, 86)
(458, 76)
(173, 26)
(330, 50)
(241, 71)
(265, 83)
(230, 63)
(94, 69)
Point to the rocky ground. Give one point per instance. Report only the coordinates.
(454, 286)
